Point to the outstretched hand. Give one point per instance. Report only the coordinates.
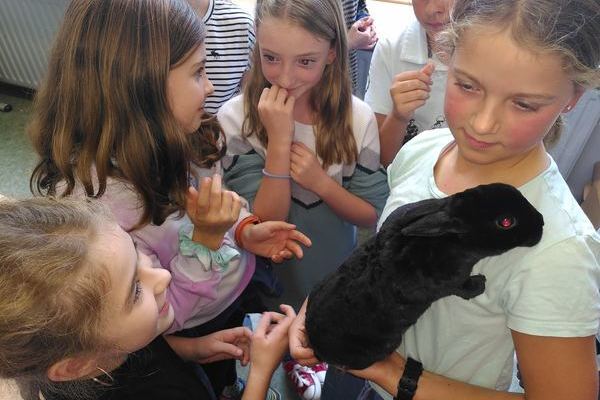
(227, 344)
(276, 240)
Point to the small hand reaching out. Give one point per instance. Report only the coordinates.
(276, 240)
(226, 344)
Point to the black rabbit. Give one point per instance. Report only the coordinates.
(424, 251)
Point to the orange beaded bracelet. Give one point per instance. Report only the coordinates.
(250, 219)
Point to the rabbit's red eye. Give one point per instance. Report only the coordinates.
(506, 222)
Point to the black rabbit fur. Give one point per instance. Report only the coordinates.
(423, 252)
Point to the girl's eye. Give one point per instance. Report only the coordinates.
(525, 106)
(306, 62)
(199, 73)
(467, 87)
(269, 57)
(138, 291)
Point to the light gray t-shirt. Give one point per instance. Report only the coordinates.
(551, 289)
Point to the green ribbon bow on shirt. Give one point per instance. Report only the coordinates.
(221, 257)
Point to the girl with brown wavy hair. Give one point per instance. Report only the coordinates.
(120, 118)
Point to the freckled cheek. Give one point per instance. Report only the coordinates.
(529, 129)
(456, 107)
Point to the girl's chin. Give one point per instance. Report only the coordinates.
(166, 321)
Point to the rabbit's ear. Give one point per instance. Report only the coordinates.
(408, 213)
(435, 224)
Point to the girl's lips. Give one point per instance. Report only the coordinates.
(436, 27)
(477, 143)
(164, 310)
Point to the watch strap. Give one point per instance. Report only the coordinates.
(407, 386)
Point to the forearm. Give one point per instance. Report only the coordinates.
(391, 136)
(432, 386)
(257, 384)
(347, 205)
(272, 202)
(435, 387)
(183, 347)
(552, 368)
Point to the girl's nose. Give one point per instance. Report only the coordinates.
(437, 7)
(156, 279)
(484, 121)
(285, 77)
(209, 87)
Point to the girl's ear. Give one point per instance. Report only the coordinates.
(72, 368)
(331, 55)
(579, 91)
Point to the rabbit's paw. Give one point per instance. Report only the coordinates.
(473, 286)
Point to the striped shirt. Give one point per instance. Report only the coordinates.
(229, 42)
(353, 11)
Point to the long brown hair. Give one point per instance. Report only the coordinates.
(571, 30)
(104, 103)
(331, 99)
(52, 296)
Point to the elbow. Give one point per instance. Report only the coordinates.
(387, 157)
(385, 162)
(370, 220)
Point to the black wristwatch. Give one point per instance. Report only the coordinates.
(407, 386)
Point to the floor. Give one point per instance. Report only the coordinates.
(16, 155)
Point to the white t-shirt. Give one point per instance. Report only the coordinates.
(406, 52)
(551, 289)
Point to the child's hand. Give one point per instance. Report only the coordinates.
(300, 349)
(276, 240)
(305, 168)
(276, 112)
(222, 345)
(212, 211)
(362, 34)
(270, 340)
(410, 90)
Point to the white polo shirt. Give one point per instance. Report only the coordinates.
(407, 52)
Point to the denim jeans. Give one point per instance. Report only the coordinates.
(340, 385)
